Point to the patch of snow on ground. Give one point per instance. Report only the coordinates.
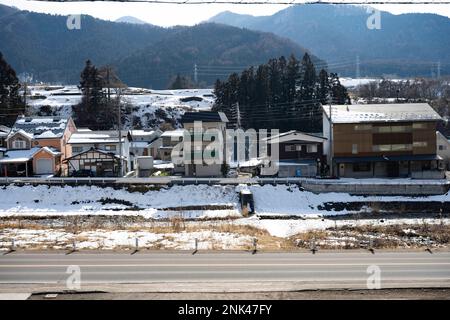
(43, 200)
(287, 228)
(103, 239)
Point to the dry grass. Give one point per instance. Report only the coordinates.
(20, 224)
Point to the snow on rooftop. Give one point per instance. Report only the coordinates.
(19, 155)
(142, 132)
(173, 133)
(358, 113)
(94, 137)
(36, 126)
(47, 134)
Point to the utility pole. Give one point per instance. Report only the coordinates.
(119, 120)
(438, 69)
(358, 72)
(108, 85)
(195, 74)
(331, 135)
(119, 127)
(238, 116)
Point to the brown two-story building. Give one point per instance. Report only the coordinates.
(382, 140)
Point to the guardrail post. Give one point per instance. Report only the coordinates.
(313, 246)
(136, 246)
(255, 241)
(195, 246)
(371, 249)
(74, 247)
(428, 247)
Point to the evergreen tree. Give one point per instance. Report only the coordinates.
(11, 104)
(339, 93)
(284, 95)
(323, 88)
(308, 105)
(307, 81)
(181, 82)
(94, 111)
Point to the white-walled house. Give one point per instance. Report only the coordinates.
(141, 139)
(106, 143)
(443, 149)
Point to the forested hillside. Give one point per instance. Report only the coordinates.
(143, 55)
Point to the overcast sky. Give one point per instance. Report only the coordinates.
(169, 15)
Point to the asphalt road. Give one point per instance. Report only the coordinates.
(239, 271)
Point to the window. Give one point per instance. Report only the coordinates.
(363, 127)
(298, 147)
(401, 147)
(77, 149)
(395, 129)
(289, 148)
(354, 148)
(19, 144)
(110, 147)
(391, 147)
(361, 167)
(381, 147)
(384, 129)
(419, 126)
(441, 147)
(420, 144)
(311, 148)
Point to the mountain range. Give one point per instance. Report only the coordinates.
(130, 19)
(143, 54)
(406, 45)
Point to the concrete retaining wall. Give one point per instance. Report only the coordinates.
(378, 189)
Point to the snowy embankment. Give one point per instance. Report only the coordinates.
(106, 218)
(187, 201)
(146, 105)
(290, 200)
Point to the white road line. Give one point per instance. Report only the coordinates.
(230, 265)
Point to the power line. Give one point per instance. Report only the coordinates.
(272, 2)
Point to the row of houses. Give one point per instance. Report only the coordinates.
(359, 141)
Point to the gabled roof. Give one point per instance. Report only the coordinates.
(295, 135)
(4, 130)
(205, 116)
(41, 127)
(15, 156)
(94, 137)
(394, 112)
(110, 154)
(21, 132)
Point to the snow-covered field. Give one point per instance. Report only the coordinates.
(354, 82)
(215, 201)
(144, 102)
(59, 209)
